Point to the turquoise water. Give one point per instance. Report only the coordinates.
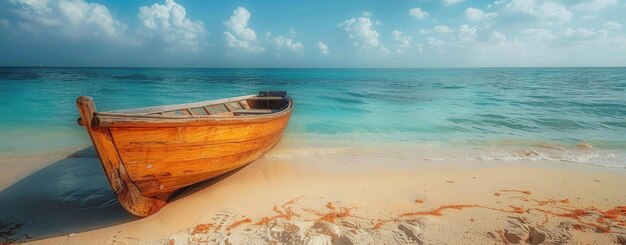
(519, 106)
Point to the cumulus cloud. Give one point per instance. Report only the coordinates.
(435, 42)
(418, 13)
(579, 34)
(72, 18)
(239, 35)
(451, 2)
(419, 48)
(467, 33)
(443, 29)
(595, 5)
(323, 48)
(612, 25)
(281, 42)
(546, 11)
(170, 23)
(367, 14)
(497, 37)
(403, 42)
(361, 32)
(475, 14)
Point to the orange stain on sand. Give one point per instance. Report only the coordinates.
(286, 213)
(202, 228)
(439, 211)
(520, 191)
(238, 223)
(605, 219)
(330, 205)
(331, 216)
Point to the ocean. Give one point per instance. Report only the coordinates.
(565, 114)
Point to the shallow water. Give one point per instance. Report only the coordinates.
(485, 111)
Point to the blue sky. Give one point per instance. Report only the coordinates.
(323, 33)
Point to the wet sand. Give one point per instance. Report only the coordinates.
(328, 198)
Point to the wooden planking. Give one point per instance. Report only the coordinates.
(127, 193)
(167, 184)
(126, 138)
(157, 169)
(153, 109)
(184, 153)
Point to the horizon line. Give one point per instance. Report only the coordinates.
(231, 67)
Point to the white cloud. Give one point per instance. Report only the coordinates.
(366, 14)
(435, 42)
(239, 35)
(170, 23)
(419, 48)
(496, 3)
(383, 50)
(612, 25)
(595, 5)
(418, 13)
(72, 18)
(323, 48)
(467, 33)
(497, 37)
(402, 41)
(281, 42)
(443, 29)
(578, 34)
(475, 14)
(293, 32)
(450, 2)
(546, 11)
(360, 30)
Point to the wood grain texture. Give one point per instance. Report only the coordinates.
(127, 193)
(148, 157)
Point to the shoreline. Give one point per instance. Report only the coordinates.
(333, 197)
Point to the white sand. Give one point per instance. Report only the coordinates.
(334, 198)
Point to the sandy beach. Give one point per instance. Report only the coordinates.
(327, 197)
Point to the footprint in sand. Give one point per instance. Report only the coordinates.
(518, 231)
(408, 234)
(222, 220)
(287, 233)
(359, 236)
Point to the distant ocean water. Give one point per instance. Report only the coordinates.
(574, 114)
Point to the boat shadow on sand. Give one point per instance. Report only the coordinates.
(69, 196)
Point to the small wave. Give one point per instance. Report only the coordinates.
(344, 100)
(289, 153)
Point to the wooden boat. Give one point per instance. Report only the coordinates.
(149, 153)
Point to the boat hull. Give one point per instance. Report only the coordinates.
(146, 159)
(162, 160)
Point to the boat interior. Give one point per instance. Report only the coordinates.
(263, 103)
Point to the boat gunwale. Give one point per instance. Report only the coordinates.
(108, 119)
